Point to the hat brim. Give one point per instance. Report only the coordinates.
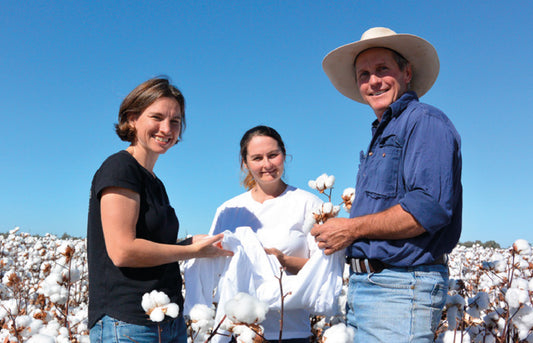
(339, 63)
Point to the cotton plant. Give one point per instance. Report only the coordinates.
(324, 185)
(157, 304)
(201, 322)
(32, 307)
(492, 283)
(338, 333)
(490, 295)
(244, 313)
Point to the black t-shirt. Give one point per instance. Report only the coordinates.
(117, 292)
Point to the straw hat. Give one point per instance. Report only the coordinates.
(339, 63)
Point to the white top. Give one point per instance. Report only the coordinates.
(283, 223)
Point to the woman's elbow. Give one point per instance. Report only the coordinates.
(119, 257)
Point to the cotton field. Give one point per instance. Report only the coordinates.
(43, 295)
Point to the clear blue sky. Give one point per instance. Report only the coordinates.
(65, 67)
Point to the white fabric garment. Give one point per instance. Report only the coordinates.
(315, 288)
(282, 222)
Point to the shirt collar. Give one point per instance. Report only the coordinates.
(397, 107)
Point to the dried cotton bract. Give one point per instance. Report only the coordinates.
(326, 211)
(157, 304)
(348, 197)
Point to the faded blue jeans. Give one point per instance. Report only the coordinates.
(108, 330)
(398, 304)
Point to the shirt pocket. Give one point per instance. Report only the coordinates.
(383, 168)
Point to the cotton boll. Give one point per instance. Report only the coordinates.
(157, 315)
(59, 295)
(160, 298)
(320, 182)
(244, 334)
(8, 307)
(41, 338)
(523, 321)
(244, 308)
(515, 297)
(339, 333)
(75, 274)
(312, 184)
(330, 181)
(201, 311)
(147, 302)
(172, 310)
(327, 207)
(500, 265)
(451, 337)
(522, 247)
(520, 284)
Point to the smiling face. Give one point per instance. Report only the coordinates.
(157, 128)
(265, 160)
(379, 78)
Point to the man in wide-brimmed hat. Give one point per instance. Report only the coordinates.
(406, 215)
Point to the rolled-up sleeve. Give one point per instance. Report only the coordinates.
(431, 175)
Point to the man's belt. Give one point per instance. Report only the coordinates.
(365, 265)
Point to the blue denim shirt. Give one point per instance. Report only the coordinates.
(414, 159)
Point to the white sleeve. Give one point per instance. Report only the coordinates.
(215, 227)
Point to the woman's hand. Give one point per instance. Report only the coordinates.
(209, 246)
(279, 255)
(292, 264)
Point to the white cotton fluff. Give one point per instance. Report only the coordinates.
(349, 193)
(515, 297)
(522, 247)
(157, 315)
(478, 303)
(173, 310)
(330, 181)
(520, 283)
(8, 307)
(154, 299)
(451, 337)
(312, 184)
(157, 304)
(244, 308)
(523, 321)
(244, 334)
(23, 321)
(320, 182)
(201, 311)
(327, 207)
(41, 338)
(339, 333)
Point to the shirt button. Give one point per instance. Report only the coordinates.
(370, 153)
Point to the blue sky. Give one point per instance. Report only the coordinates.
(67, 65)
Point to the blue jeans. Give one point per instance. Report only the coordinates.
(398, 304)
(108, 329)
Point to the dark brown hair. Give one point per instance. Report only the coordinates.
(260, 130)
(140, 98)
